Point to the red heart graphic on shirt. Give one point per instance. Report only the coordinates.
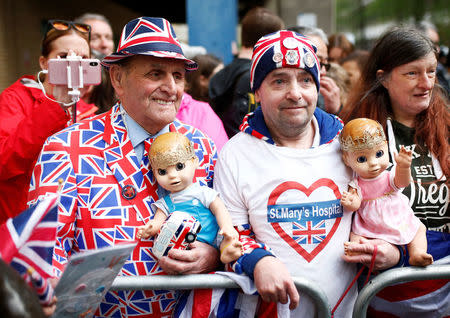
(291, 185)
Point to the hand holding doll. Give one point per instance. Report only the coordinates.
(383, 212)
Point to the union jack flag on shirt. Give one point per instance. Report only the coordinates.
(309, 233)
(27, 244)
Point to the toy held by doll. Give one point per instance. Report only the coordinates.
(382, 210)
(173, 161)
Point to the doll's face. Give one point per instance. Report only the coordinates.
(176, 177)
(368, 163)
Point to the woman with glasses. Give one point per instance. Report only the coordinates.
(398, 89)
(29, 114)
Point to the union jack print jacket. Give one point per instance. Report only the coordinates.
(105, 197)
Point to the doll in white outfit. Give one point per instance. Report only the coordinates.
(382, 210)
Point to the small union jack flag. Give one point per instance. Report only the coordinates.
(309, 233)
(27, 244)
(149, 36)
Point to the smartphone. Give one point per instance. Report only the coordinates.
(90, 71)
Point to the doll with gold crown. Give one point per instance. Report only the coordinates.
(173, 161)
(382, 210)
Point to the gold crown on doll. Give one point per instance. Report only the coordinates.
(170, 148)
(369, 139)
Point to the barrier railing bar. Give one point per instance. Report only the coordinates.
(393, 276)
(317, 295)
(213, 281)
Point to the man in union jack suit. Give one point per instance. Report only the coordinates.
(108, 185)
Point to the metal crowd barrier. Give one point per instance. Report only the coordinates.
(387, 278)
(213, 281)
(394, 276)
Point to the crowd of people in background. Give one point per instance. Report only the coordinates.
(229, 89)
(265, 129)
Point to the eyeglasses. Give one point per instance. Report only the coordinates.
(63, 25)
(437, 47)
(326, 65)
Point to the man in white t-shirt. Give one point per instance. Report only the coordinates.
(281, 179)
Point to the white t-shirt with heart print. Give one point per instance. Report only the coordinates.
(291, 199)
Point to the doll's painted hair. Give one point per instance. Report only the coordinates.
(360, 134)
(169, 149)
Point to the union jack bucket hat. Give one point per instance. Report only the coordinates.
(149, 36)
(283, 49)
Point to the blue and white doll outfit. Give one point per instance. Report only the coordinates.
(194, 200)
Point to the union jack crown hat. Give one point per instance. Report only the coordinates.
(149, 36)
(283, 49)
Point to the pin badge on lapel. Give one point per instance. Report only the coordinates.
(128, 192)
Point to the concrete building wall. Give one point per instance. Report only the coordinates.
(21, 30)
(21, 25)
(288, 10)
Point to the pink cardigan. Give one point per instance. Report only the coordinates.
(202, 116)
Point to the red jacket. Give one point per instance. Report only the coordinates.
(27, 118)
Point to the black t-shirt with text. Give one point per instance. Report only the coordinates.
(428, 198)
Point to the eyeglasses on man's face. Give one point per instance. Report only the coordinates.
(326, 65)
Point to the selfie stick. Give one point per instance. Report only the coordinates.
(74, 93)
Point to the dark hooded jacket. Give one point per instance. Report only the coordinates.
(231, 96)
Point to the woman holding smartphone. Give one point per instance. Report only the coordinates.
(32, 109)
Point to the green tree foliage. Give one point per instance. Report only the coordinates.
(352, 15)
